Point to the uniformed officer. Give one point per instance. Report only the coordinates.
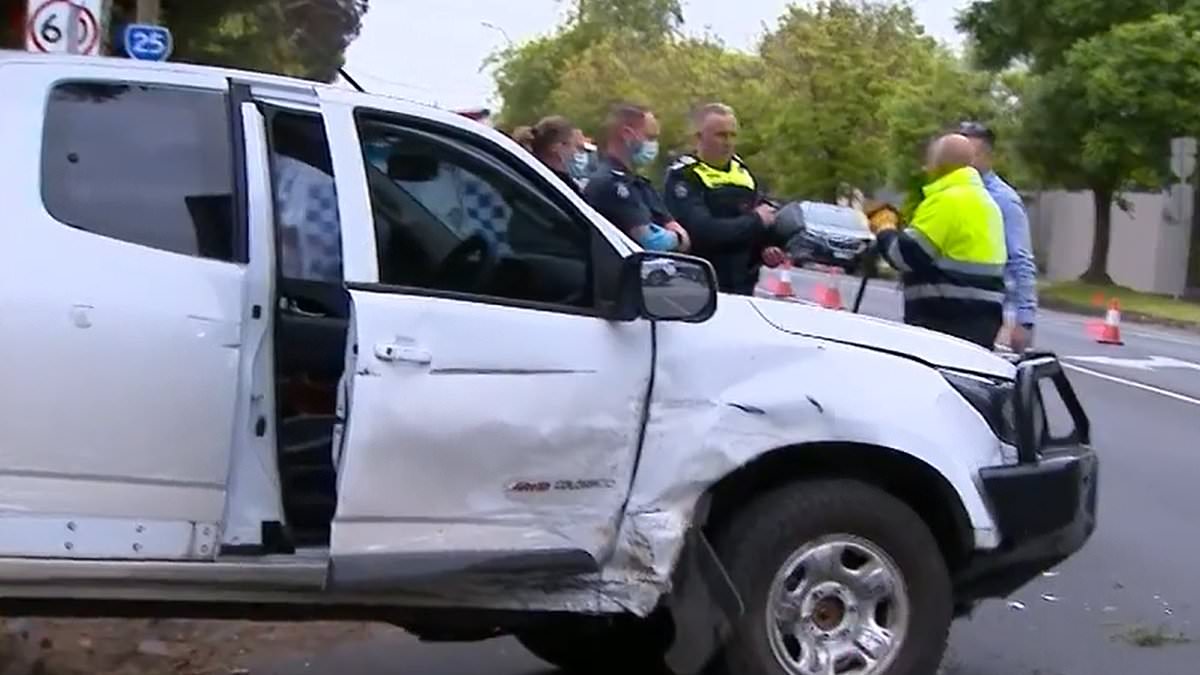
(716, 197)
(627, 199)
(952, 254)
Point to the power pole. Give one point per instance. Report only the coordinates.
(149, 11)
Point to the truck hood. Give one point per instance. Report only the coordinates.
(935, 349)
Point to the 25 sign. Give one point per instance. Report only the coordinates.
(145, 42)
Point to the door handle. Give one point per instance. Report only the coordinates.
(388, 351)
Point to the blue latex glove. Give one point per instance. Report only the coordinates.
(657, 238)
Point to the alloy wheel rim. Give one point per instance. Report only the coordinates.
(838, 606)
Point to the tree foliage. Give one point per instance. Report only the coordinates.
(1041, 32)
(669, 78)
(1113, 83)
(303, 38)
(528, 75)
(947, 92)
(837, 92)
(829, 69)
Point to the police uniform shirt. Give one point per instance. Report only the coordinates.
(626, 199)
(716, 207)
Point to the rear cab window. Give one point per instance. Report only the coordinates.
(145, 164)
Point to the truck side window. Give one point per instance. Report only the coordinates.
(451, 217)
(306, 208)
(145, 164)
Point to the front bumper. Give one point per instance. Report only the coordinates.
(1045, 506)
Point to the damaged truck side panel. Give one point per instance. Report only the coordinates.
(503, 440)
(699, 433)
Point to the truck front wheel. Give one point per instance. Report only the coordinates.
(837, 577)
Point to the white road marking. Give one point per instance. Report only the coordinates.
(1148, 363)
(1135, 385)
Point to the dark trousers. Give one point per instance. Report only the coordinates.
(981, 329)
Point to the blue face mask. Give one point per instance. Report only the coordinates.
(644, 153)
(578, 165)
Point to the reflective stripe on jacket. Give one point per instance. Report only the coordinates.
(952, 255)
(737, 175)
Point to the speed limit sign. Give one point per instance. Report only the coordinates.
(64, 26)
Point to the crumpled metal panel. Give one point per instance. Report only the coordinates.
(719, 404)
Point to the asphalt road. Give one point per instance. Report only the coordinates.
(1128, 603)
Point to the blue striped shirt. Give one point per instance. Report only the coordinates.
(1020, 272)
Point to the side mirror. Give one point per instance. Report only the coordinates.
(670, 286)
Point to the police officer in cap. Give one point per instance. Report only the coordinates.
(718, 200)
(622, 196)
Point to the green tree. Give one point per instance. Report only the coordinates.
(302, 38)
(669, 78)
(1140, 96)
(828, 69)
(950, 91)
(1039, 33)
(924, 107)
(1112, 82)
(1104, 119)
(527, 75)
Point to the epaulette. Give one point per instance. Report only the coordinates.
(683, 161)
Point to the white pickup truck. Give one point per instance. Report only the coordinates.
(275, 349)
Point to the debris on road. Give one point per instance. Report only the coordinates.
(1160, 636)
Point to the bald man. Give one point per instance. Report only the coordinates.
(952, 255)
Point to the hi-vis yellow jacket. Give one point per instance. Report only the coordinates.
(952, 254)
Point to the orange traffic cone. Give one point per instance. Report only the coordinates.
(1110, 334)
(779, 281)
(829, 295)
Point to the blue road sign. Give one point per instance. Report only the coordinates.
(145, 42)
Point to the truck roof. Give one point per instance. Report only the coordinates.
(135, 66)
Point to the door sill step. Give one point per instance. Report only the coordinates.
(306, 570)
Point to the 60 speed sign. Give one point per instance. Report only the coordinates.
(49, 26)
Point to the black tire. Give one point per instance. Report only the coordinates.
(757, 542)
(587, 645)
(850, 269)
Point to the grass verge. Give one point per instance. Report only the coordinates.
(1078, 296)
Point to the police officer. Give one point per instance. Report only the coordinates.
(952, 254)
(622, 196)
(718, 200)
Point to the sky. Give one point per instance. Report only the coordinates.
(434, 51)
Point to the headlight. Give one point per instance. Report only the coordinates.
(992, 398)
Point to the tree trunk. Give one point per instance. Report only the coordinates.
(1097, 272)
